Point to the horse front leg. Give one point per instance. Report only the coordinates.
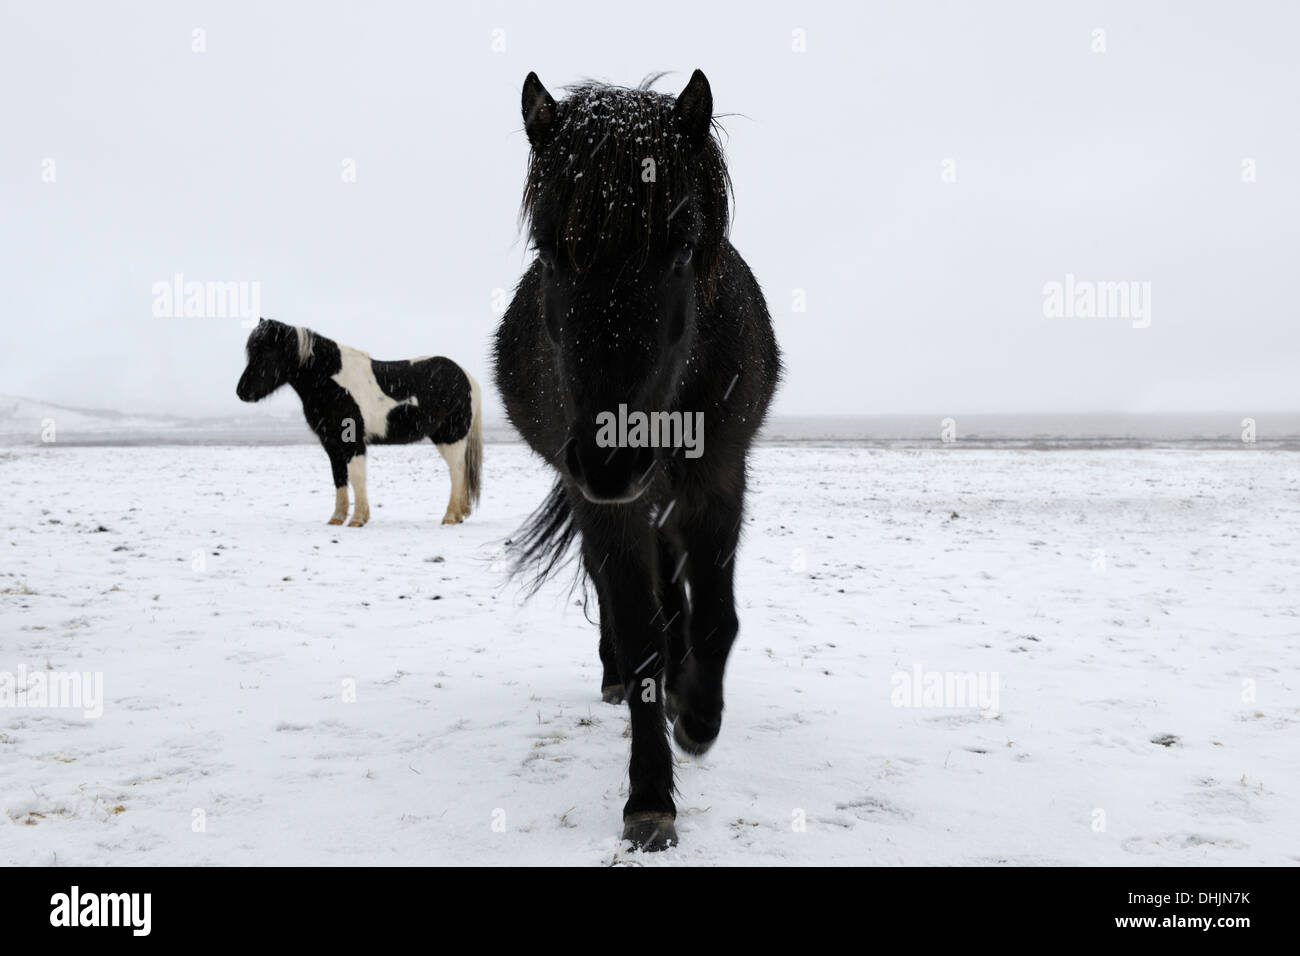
(711, 544)
(339, 468)
(357, 477)
(640, 646)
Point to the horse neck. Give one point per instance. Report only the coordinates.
(302, 377)
(296, 375)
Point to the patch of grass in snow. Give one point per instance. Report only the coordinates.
(32, 817)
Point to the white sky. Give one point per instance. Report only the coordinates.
(922, 295)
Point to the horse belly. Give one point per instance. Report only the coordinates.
(406, 424)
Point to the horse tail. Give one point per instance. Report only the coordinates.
(474, 443)
(542, 544)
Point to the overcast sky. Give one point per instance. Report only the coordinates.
(919, 294)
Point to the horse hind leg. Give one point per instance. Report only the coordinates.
(458, 505)
(613, 690)
(357, 476)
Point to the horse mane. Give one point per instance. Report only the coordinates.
(306, 343)
(275, 333)
(590, 174)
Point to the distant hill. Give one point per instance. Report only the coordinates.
(22, 421)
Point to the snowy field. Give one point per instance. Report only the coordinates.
(277, 691)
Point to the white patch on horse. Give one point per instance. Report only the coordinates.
(357, 378)
(306, 344)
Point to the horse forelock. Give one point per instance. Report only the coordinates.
(616, 177)
(258, 337)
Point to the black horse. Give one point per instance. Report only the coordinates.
(352, 401)
(638, 299)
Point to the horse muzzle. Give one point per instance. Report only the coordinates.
(609, 476)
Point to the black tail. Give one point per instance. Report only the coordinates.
(542, 544)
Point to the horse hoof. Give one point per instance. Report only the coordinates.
(650, 831)
(612, 694)
(697, 740)
(450, 520)
(336, 520)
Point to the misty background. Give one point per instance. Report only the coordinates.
(894, 289)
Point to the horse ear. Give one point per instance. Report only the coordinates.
(694, 110)
(539, 110)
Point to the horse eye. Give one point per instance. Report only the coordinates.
(547, 258)
(684, 255)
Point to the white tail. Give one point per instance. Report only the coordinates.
(474, 445)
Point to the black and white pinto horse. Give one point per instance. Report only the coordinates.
(352, 401)
(637, 298)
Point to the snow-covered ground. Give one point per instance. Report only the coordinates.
(280, 691)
